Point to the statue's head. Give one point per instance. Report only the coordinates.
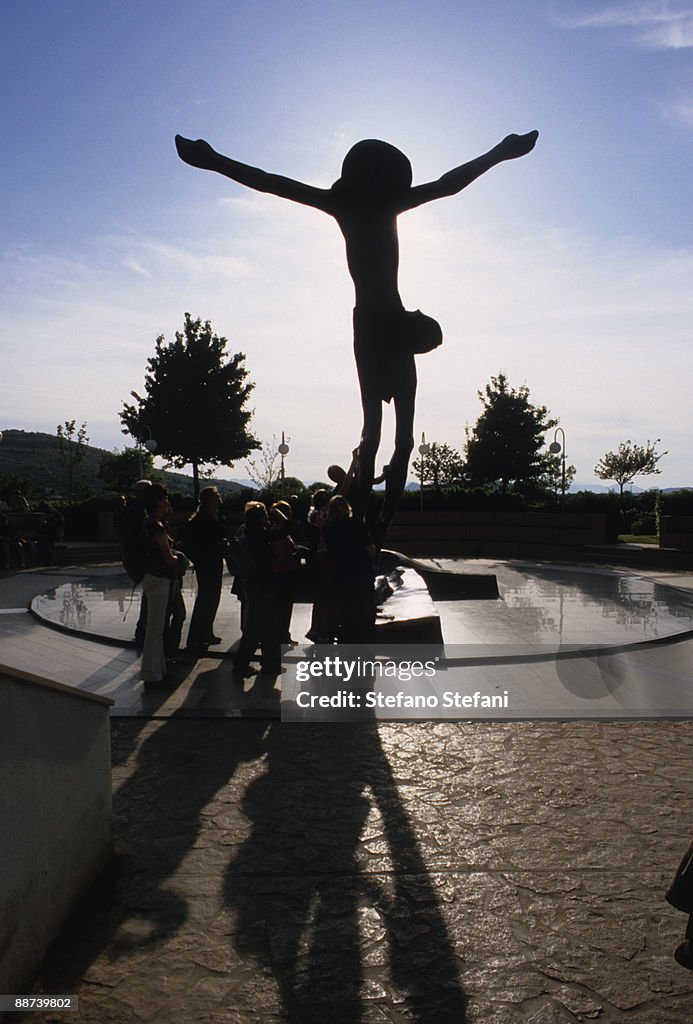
(375, 166)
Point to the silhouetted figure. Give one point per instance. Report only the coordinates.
(323, 621)
(374, 188)
(203, 539)
(347, 482)
(132, 549)
(159, 583)
(259, 599)
(285, 566)
(351, 552)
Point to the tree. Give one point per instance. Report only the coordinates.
(552, 476)
(264, 471)
(505, 443)
(630, 460)
(194, 405)
(72, 444)
(120, 471)
(441, 465)
(12, 484)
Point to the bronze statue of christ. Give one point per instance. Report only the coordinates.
(374, 188)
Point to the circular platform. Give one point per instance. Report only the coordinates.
(542, 607)
(548, 606)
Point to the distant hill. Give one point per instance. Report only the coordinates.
(36, 456)
(630, 488)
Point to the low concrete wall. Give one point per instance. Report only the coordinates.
(510, 535)
(676, 532)
(74, 552)
(27, 524)
(55, 813)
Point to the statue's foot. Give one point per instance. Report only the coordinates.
(197, 153)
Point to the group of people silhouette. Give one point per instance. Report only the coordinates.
(326, 555)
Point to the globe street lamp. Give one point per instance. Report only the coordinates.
(424, 449)
(283, 450)
(555, 447)
(148, 443)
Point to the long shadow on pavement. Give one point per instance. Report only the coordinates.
(158, 817)
(328, 896)
(330, 891)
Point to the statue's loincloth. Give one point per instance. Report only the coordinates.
(385, 343)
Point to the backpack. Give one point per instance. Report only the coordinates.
(239, 559)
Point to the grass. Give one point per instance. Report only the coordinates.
(636, 538)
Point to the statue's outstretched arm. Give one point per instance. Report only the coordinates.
(510, 148)
(199, 153)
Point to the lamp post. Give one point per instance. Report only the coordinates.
(555, 447)
(283, 450)
(424, 449)
(149, 443)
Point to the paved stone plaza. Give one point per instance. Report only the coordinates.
(488, 872)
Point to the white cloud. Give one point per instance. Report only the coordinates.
(137, 268)
(149, 257)
(599, 329)
(655, 25)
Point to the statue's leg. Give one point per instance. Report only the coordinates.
(369, 444)
(404, 399)
(369, 367)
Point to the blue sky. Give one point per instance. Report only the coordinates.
(570, 270)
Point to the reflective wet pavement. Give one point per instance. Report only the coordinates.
(561, 641)
(541, 606)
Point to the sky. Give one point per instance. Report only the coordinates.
(570, 270)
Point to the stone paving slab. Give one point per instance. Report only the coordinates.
(480, 873)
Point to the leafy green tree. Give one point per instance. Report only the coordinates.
(292, 485)
(628, 461)
(194, 405)
(441, 465)
(506, 441)
(72, 445)
(119, 471)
